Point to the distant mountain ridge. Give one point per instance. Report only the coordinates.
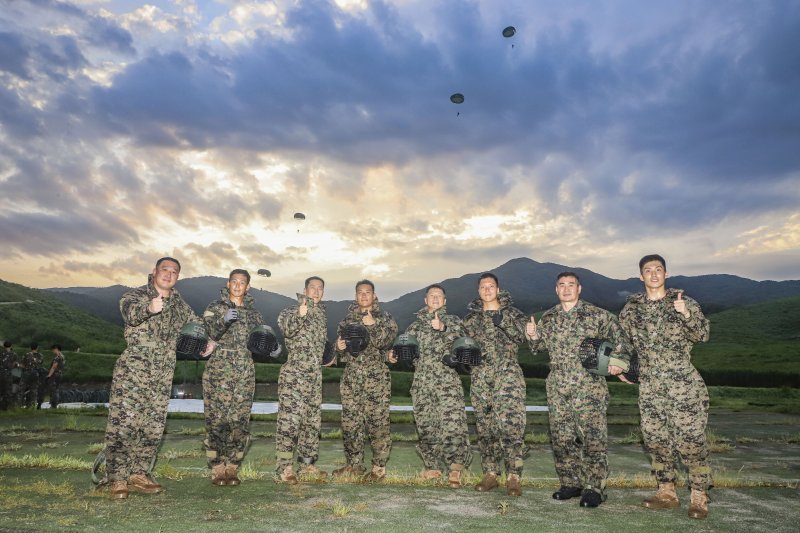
(531, 284)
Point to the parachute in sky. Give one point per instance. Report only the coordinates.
(264, 272)
(508, 32)
(299, 218)
(457, 98)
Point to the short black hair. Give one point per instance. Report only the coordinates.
(34, 345)
(241, 271)
(312, 278)
(652, 257)
(365, 282)
(167, 258)
(7, 344)
(56, 347)
(489, 275)
(435, 286)
(568, 274)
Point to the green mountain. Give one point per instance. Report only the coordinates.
(30, 315)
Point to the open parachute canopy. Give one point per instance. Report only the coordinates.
(509, 31)
(457, 98)
(264, 272)
(299, 216)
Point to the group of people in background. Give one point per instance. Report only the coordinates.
(660, 325)
(24, 382)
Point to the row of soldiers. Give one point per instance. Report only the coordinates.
(25, 381)
(660, 325)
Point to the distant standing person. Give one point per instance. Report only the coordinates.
(153, 315)
(9, 360)
(305, 330)
(33, 377)
(55, 374)
(577, 399)
(366, 386)
(663, 325)
(229, 379)
(498, 386)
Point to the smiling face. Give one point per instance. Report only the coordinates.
(165, 275)
(238, 285)
(568, 290)
(314, 290)
(653, 275)
(365, 296)
(435, 299)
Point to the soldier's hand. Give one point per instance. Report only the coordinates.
(303, 309)
(156, 305)
(392, 358)
(231, 315)
(680, 305)
(340, 344)
(436, 323)
(614, 370)
(623, 378)
(530, 329)
(368, 319)
(209, 348)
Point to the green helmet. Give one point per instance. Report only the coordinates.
(406, 347)
(595, 354)
(192, 341)
(465, 351)
(263, 343)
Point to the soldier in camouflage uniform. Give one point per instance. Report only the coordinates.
(154, 315)
(304, 328)
(577, 399)
(9, 360)
(32, 374)
(437, 392)
(229, 379)
(55, 374)
(498, 386)
(663, 325)
(366, 386)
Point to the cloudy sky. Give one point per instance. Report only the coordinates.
(601, 131)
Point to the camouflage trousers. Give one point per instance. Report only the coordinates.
(229, 383)
(438, 399)
(137, 410)
(53, 382)
(674, 410)
(33, 388)
(577, 403)
(366, 390)
(7, 394)
(498, 397)
(299, 414)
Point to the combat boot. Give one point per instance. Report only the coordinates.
(488, 482)
(664, 498)
(513, 487)
(141, 483)
(312, 473)
(231, 474)
(287, 476)
(377, 474)
(349, 471)
(454, 479)
(698, 506)
(428, 475)
(118, 490)
(218, 475)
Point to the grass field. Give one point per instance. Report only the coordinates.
(45, 484)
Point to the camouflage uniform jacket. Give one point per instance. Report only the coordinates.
(662, 336)
(381, 336)
(498, 344)
(231, 338)
(433, 345)
(305, 336)
(561, 333)
(158, 332)
(33, 362)
(8, 360)
(58, 361)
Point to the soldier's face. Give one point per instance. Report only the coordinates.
(487, 290)
(165, 275)
(653, 275)
(238, 286)
(568, 289)
(435, 299)
(365, 296)
(315, 290)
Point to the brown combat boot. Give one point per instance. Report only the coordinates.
(377, 474)
(698, 506)
(428, 475)
(218, 475)
(118, 490)
(664, 498)
(488, 482)
(513, 487)
(231, 474)
(287, 476)
(312, 473)
(142, 483)
(454, 479)
(349, 471)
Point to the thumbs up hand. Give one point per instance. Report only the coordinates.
(530, 329)
(368, 319)
(437, 323)
(680, 305)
